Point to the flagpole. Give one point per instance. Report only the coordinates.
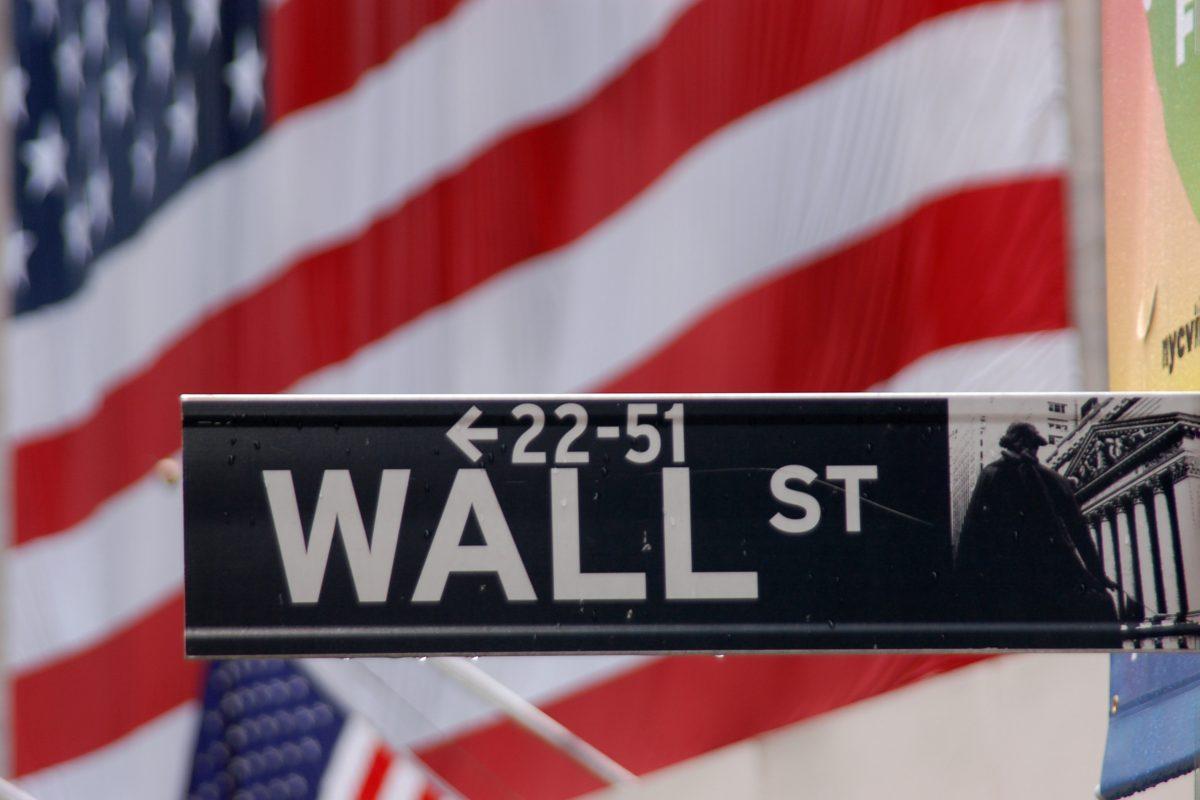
(10, 792)
(534, 720)
(8, 57)
(1081, 51)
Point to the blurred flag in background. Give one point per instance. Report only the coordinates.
(268, 731)
(484, 196)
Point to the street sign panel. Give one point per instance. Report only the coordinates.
(437, 525)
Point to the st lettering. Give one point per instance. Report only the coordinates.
(802, 511)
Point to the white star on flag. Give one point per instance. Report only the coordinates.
(160, 49)
(77, 231)
(118, 91)
(95, 28)
(46, 157)
(181, 122)
(245, 74)
(206, 22)
(141, 160)
(68, 62)
(16, 89)
(45, 15)
(18, 246)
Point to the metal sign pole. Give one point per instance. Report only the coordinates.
(10, 792)
(534, 720)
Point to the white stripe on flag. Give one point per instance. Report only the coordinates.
(352, 755)
(151, 763)
(202, 250)
(738, 209)
(732, 213)
(1034, 362)
(121, 561)
(404, 781)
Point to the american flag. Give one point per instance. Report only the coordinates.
(484, 196)
(269, 732)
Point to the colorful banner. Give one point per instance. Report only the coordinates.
(1152, 178)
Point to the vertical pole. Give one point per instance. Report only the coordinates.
(1081, 39)
(8, 55)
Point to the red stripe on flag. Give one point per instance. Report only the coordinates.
(266, 342)
(936, 279)
(87, 700)
(670, 710)
(319, 49)
(381, 761)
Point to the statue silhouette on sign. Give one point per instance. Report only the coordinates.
(1024, 554)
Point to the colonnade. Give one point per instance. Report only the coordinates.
(1146, 536)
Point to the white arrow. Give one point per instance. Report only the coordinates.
(462, 435)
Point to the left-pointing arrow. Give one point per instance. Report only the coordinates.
(464, 436)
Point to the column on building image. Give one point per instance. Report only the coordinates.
(1096, 532)
(1127, 535)
(1113, 534)
(1150, 567)
(1186, 494)
(1165, 529)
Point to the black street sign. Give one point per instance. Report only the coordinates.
(439, 525)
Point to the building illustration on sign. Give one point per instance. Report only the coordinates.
(1136, 464)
